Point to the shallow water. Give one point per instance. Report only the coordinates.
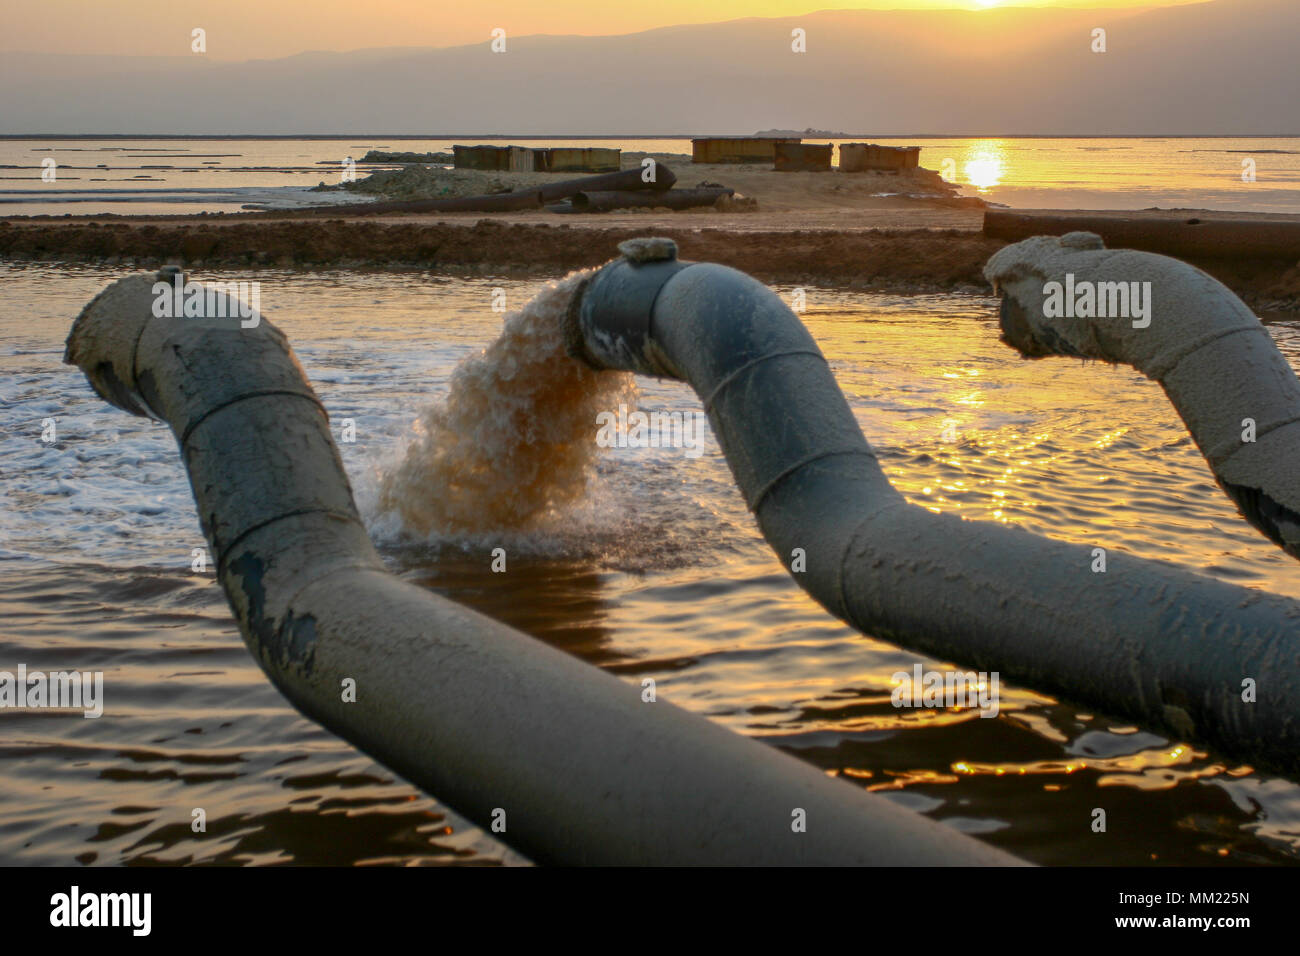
(659, 572)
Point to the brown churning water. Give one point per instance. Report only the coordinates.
(513, 441)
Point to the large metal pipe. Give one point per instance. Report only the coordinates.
(513, 201)
(562, 761)
(1143, 639)
(1235, 391)
(605, 201)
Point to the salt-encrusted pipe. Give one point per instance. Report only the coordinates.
(1235, 391)
(559, 759)
(1143, 639)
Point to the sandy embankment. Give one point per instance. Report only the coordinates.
(785, 193)
(915, 260)
(829, 228)
(808, 227)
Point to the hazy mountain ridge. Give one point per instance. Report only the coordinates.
(1224, 67)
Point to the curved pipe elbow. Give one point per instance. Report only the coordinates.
(1146, 639)
(1232, 387)
(775, 409)
(268, 483)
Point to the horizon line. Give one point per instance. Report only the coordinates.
(635, 136)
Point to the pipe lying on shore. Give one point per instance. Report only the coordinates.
(1234, 390)
(529, 197)
(1144, 639)
(501, 727)
(1191, 237)
(512, 201)
(607, 200)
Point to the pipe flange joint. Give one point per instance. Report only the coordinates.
(610, 315)
(648, 249)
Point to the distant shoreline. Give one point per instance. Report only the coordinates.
(620, 136)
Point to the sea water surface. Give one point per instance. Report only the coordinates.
(184, 175)
(659, 572)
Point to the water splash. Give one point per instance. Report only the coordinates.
(513, 443)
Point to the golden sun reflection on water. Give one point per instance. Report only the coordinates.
(986, 165)
(1151, 769)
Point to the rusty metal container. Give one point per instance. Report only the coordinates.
(481, 157)
(870, 157)
(522, 159)
(803, 157)
(584, 159)
(737, 149)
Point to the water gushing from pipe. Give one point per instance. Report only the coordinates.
(511, 444)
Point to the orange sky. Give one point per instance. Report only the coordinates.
(244, 29)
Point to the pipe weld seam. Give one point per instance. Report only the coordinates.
(733, 375)
(189, 429)
(135, 356)
(296, 513)
(654, 299)
(850, 546)
(135, 349)
(1160, 368)
(757, 498)
(1227, 450)
(355, 565)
